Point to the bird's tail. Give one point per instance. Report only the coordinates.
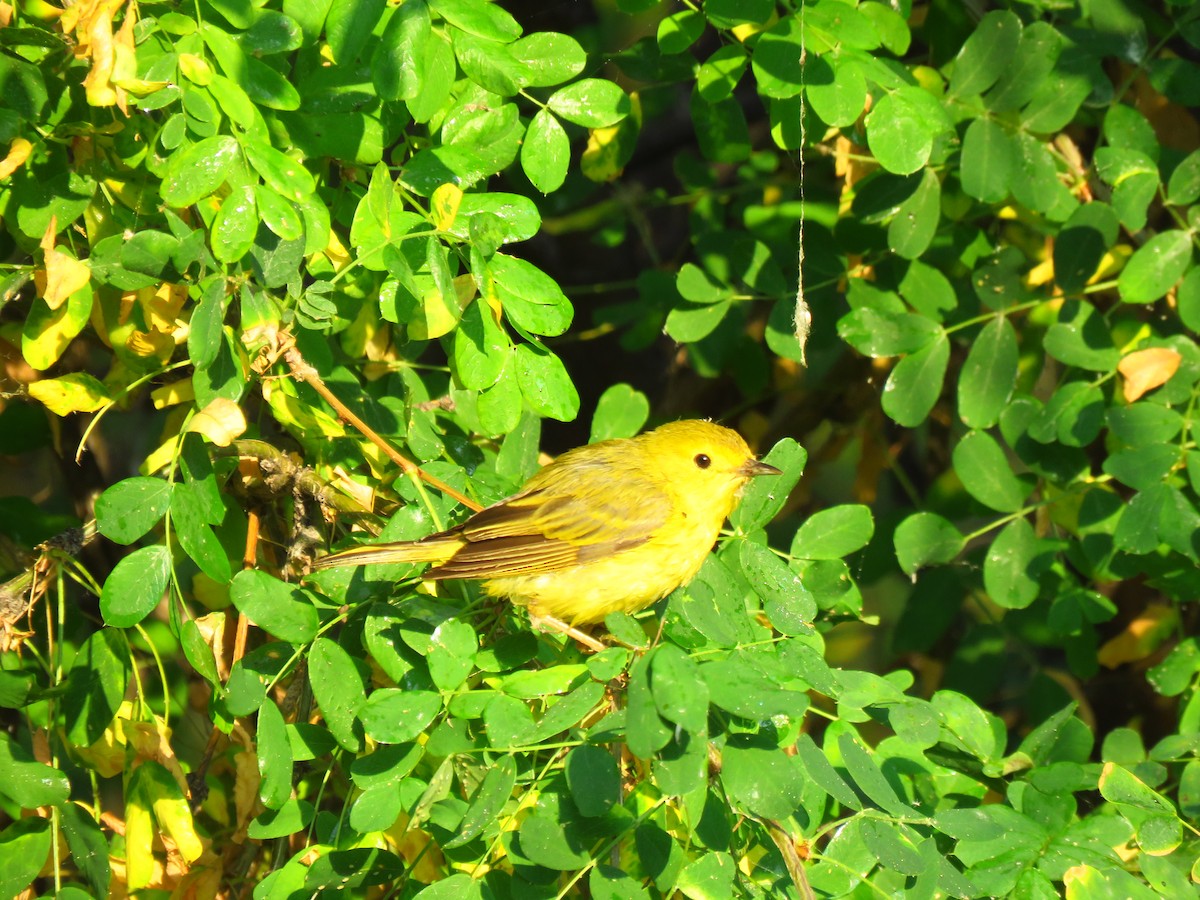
(435, 551)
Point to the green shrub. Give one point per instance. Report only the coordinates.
(250, 243)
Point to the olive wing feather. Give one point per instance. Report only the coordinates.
(571, 512)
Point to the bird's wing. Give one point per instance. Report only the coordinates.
(561, 519)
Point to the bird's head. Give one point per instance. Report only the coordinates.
(705, 462)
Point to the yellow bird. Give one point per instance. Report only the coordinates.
(615, 525)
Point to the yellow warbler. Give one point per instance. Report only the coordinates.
(615, 525)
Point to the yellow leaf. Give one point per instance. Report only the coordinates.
(47, 332)
(173, 813)
(437, 316)
(107, 753)
(151, 343)
(195, 68)
(168, 441)
(609, 149)
(181, 391)
(1145, 370)
(76, 392)
(444, 205)
(140, 864)
(64, 274)
(290, 412)
(18, 152)
(1141, 637)
(163, 305)
(221, 421)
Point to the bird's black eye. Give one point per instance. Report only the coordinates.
(702, 460)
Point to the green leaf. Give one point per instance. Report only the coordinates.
(282, 173)
(822, 773)
(989, 159)
(721, 129)
(901, 129)
(912, 229)
(545, 384)
(764, 497)
(349, 25)
(196, 172)
(197, 651)
(788, 603)
(192, 521)
(916, 383)
(876, 333)
(645, 731)
(966, 725)
(1183, 187)
(485, 20)
(1142, 467)
(546, 152)
(710, 877)
(549, 58)
(278, 214)
(721, 72)
(1073, 417)
(986, 53)
(531, 299)
(1084, 341)
(24, 848)
(834, 533)
(870, 780)
(481, 347)
(547, 843)
(451, 655)
(274, 754)
(394, 716)
(135, 586)
(680, 694)
(926, 539)
(1159, 830)
(27, 782)
(840, 101)
(1010, 573)
(760, 778)
(488, 800)
(1187, 298)
(282, 610)
(337, 687)
(95, 686)
(988, 375)
(621, 412)
(892, 847)
(778, 59)
(235, 225)
(983, 468)
(205, 335)
(1155, 267)
(679, 31)
(591, 102)
(396, 63)
(1079, 248)
(1021, 76)
(593, 779)
(89, 848)
(130, 508)
(456, 887)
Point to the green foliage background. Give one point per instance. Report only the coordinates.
(960, 660)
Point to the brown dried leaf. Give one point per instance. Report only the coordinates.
(1145, 370)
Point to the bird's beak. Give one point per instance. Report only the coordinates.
(753, 467)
